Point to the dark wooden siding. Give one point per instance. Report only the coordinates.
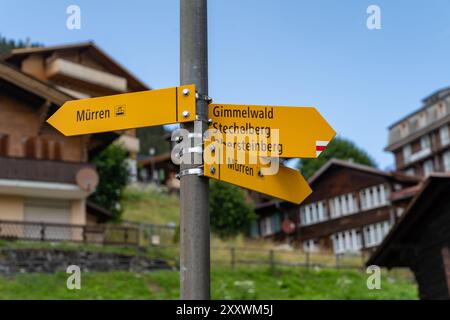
(429, 267)
(344, 223)
(340, 180)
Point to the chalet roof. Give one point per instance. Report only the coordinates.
(356, 166)
(29, 83)
(17, 55)
(393, 251)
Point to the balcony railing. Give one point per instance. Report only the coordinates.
(127, 234)
(40, 170)
(418, 155)
(64, 69)
(52, 232)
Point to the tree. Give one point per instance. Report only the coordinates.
(114, 175)
(230, 212)
(7, 45)
(152, 137)
(339, 148)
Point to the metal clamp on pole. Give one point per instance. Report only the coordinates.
(191, 135)
(197, 149)
(209, 100)
(192, 171)
(203, 119)
(203, 97)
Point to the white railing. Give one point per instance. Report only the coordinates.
(418, 155)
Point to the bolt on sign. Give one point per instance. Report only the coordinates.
(301, 131)
(126, 111)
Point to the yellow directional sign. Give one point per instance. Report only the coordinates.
(126, 111)
(302, 131)
(274, 180)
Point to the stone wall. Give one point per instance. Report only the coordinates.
(52, 260)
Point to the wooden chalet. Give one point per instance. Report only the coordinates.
(81, 70)
(160, 170)
(45, 176)
(421, 239)
(349, 210)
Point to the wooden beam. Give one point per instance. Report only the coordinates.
(34, 85)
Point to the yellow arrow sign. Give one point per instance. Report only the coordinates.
(274, 180)
(302, 131)
(126, 111)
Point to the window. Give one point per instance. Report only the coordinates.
(428, 167)
(444, 135)
(313, 213)
(254, 232)
(446, 160)
(276, 223)
(422, 120)
(407, 153)
(395, 135)
(346, 241)
(432, 113)
(343, 205)
(266, 226)
(375, 233)
(374, 197)
(424, 142)
(441, 110)
(414, 124)
(162, 175)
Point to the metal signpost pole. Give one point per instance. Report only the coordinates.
(194, 203)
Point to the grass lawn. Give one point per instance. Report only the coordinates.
(245, 282)
(151, 205)
(241, 283)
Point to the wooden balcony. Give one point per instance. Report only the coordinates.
(40, 170)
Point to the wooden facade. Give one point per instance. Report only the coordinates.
(46, 176)
(80, 70)
(421, 239)
(349, 210)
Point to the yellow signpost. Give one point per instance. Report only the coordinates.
(126, 111)
(302, 131)
(257, 132)
(261, 175)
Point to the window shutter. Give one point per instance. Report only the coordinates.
(254, 232)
